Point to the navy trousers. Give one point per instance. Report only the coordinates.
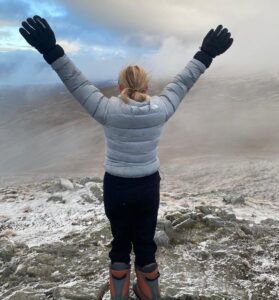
(131, 205)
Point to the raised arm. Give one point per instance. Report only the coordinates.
(215, 43)
(39, 34)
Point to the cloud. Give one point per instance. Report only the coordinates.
(24, 67)
(29, 67)
(153, 17)
(142, 39)
(181, 18)
(13, 10)
(170, 59)
(70, 46)
(161, 35)
(254, 24)
(7, 69)
(5, 34)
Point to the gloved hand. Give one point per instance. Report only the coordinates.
(217, 41)
(39, 34)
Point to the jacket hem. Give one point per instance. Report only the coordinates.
(133, 171)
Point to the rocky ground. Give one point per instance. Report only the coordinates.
(55, 239)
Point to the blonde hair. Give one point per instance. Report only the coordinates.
(134, 80)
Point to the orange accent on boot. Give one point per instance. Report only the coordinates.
(142, 285)
(111, 287)
(120, 274)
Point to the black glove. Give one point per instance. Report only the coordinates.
(215, 43)
(39, 34)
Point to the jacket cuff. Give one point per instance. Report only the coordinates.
(52, 55)
(204, 58)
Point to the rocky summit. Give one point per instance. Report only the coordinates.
(55, 239)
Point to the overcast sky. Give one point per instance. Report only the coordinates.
(161, 35)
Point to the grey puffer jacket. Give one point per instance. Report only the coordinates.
(132, 131)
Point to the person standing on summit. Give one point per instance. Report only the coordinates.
(133, 122)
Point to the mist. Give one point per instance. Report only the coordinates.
(231, 110)
(178, 27)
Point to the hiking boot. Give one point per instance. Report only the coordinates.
(147, 286)
(119, 280)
